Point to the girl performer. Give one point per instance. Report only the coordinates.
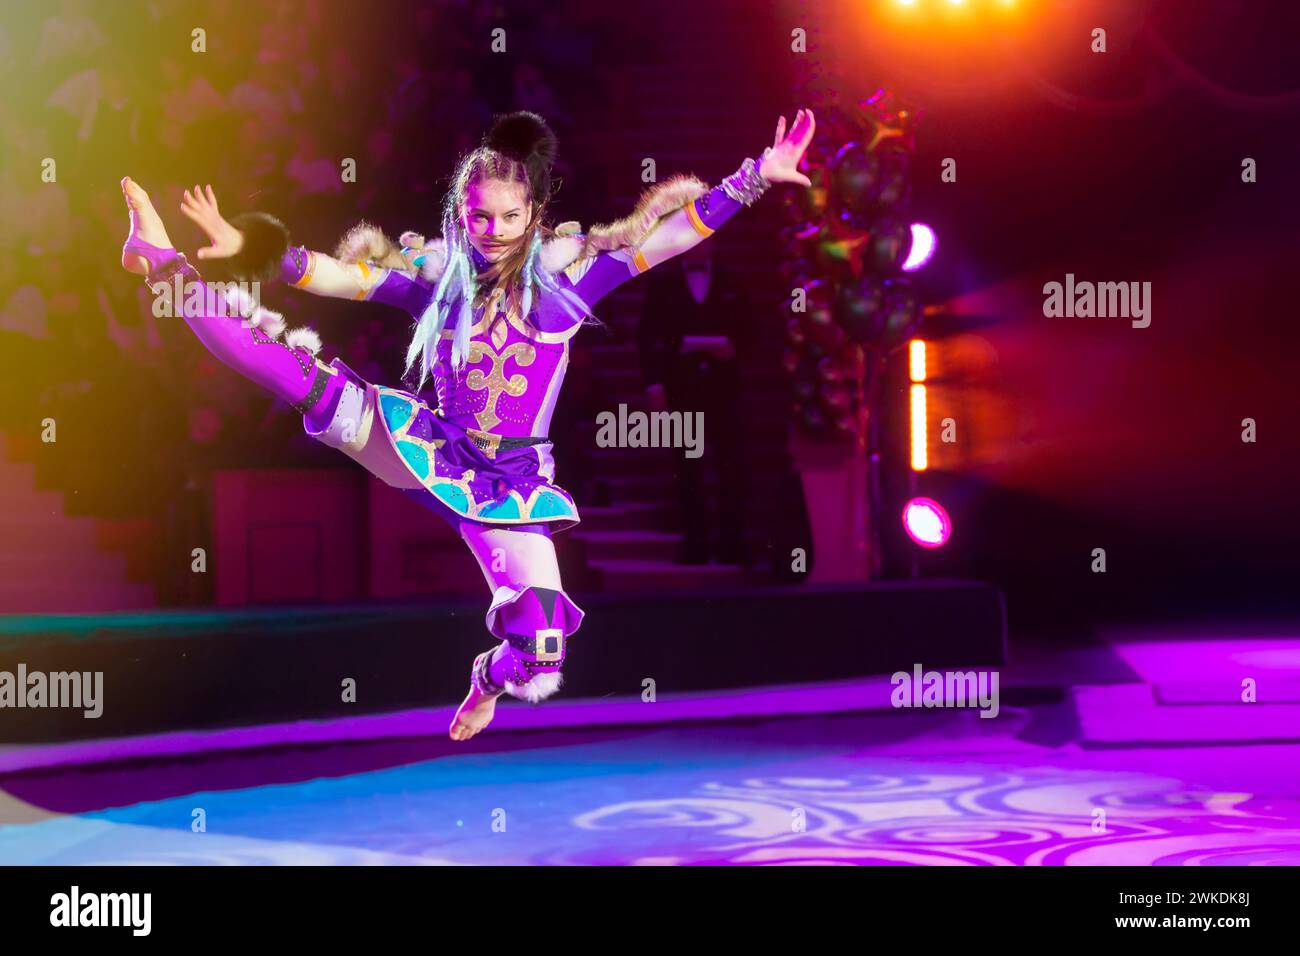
(495, 301)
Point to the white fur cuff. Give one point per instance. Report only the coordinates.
(538, 689)
(560, 253)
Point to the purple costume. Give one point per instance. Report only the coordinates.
(483, 454)
(482, 458)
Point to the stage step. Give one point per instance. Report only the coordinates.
(52, 562)
(654, 486)
(80, 597)
(627, 517)
(638, 545)
(607, 462)
(631, 576)
(1119, 715)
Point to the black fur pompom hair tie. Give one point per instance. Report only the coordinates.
(526, 137)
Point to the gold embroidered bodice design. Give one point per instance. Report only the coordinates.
(495, 381)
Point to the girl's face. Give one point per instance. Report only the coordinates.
(495, 215)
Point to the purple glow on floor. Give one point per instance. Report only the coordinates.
(1097, 774)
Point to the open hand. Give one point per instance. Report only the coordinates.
(781, 164)
(202, 209)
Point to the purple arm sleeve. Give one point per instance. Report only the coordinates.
(293, 267)
(609, 270)
(408, 293)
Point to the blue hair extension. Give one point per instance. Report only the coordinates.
(530, 266)
(456, 284)
(458, 288)
(468, 291)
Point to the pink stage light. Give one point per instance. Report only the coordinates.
(924, 242)
(926, 522)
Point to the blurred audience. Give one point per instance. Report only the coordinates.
(282, 94)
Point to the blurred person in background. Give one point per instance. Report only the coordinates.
(695, 321)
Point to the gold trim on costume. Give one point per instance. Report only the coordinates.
(495, 380)
(305, 280)
(693, 215)
(577, 269)
(367, 276)
(542, 634)
(527, 331)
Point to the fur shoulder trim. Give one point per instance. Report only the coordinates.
(435, 256)
(656, 202)
(560, 252)
(368, 243)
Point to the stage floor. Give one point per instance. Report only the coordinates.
(919, 787)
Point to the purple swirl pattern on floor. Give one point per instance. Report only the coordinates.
(919, 789)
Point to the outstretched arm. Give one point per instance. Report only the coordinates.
(320, 274)
(695, 222)
(700, 218)
(306, 269)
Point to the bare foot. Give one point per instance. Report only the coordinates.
(474, 714)
(145, 224)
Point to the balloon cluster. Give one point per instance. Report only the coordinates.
(846, 243)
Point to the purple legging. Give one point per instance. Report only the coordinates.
(287, 372)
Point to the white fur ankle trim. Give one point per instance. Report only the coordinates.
(538, 689)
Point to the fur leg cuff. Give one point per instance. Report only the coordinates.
(271, 324)
(538, 689)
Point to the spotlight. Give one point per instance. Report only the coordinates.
(926, 522)
(917, 372)
(924, 243)
(916, 360)
(920, 446)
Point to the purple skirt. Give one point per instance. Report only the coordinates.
(472, 475)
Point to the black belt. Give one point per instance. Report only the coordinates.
(507, 443)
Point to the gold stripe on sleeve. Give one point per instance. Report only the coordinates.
(694, 215)
(305, 279)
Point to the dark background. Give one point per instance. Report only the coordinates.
(1116, 167)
